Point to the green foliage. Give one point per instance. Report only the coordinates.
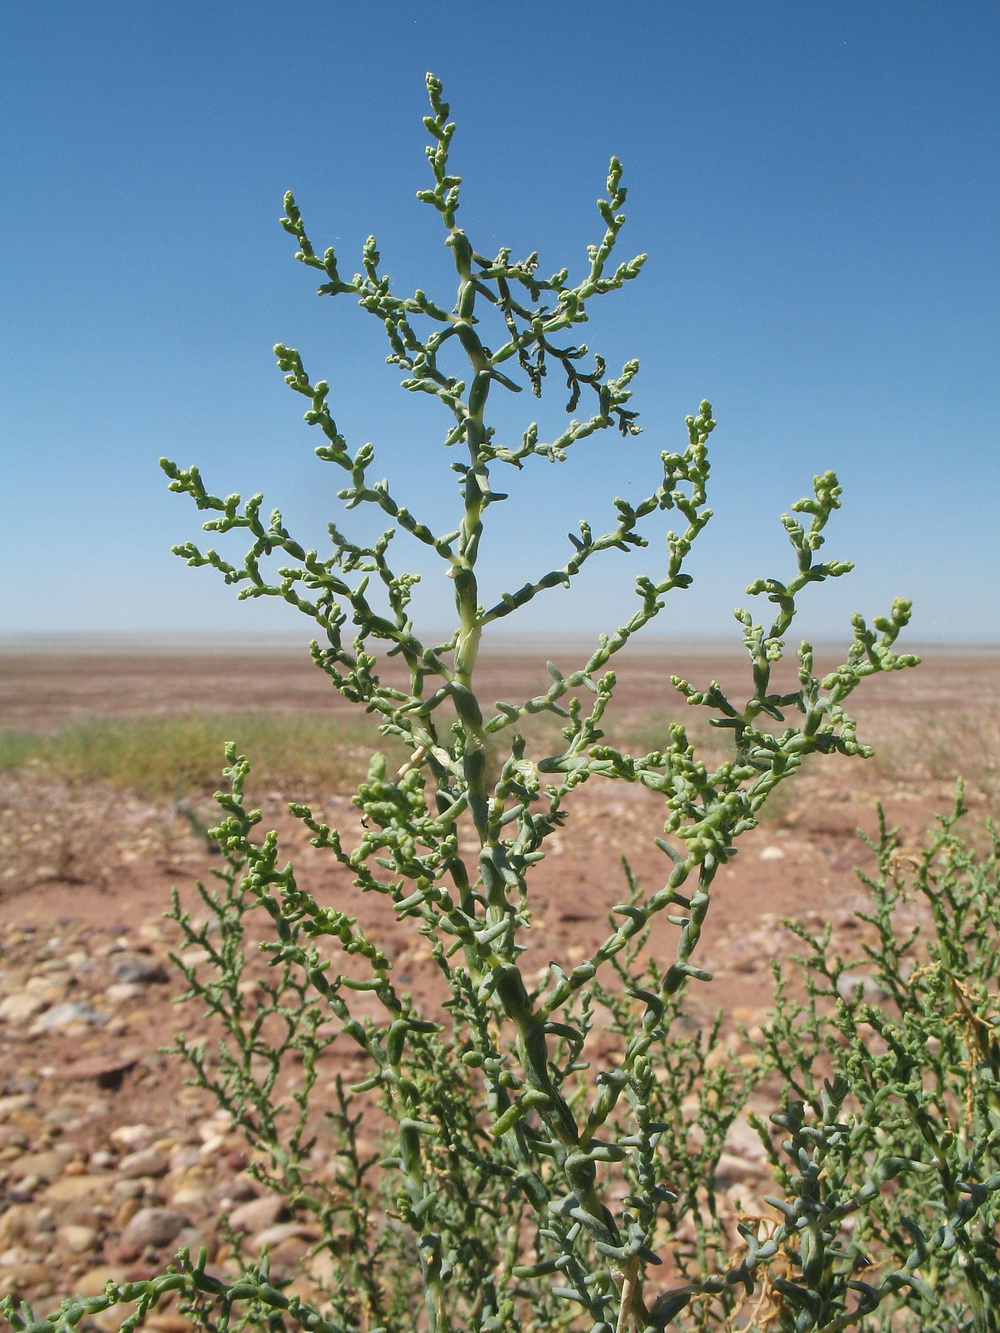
(532, 1176)
(916, 1079)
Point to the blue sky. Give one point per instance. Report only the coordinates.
(815, 184)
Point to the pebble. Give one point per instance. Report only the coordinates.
(75, 1187)
(18, 1101)
(154, 1226)
(94, 1280)
(258, 1214)
(137, 969)
(742, 1140)
(123, 991)
(106, 1072)
(132, 1136)
(127, 1189)
(15, 1223)
(229, 1192)
(219, 1125)
(871, 991)
(145, 1162)
(273, 1236)
(187, 1195)
(79, 1239)
(165, 1321)
(126, 1210)
(732, 1169)
(21, 1006)
(23, 1276)
(185, 1155)
(72, 1013)
(46, 1165)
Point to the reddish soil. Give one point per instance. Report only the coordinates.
(800, 863)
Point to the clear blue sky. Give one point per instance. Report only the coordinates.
(815, 184)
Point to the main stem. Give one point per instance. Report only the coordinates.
(476, 487)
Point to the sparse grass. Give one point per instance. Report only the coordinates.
(167, 756)
(170, 756)
(939, 745)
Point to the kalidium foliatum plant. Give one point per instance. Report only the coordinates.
(523, 1182)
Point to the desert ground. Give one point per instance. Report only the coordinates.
(98, 1134)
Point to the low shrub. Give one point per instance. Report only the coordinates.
(551, 1146)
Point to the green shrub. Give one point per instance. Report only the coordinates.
(532, 1176)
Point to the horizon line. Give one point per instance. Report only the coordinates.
(170, 641)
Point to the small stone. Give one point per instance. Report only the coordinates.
(137, 968)
(126, 1254)
(74, 1187)
(187, 1195)
(183, 1156)
(19, 1101)
(271, 1237)
(15, 1223)
(127, 1189)
(154, 1226)
(35, 1275)
(24, 1191)
(849, 983)
(146, 1162)
(140, 1272)
(79, 1239)
(732, 1169)
(47, 1165)
(71, 1014)
(192, 1238)
(166, 1321)
(743, 1141)
(127, 1209)
(93, 1282)
(228, 1192)
(212, 1129)
(21, 1006)
(84, 1212)
(107, 1073)
(194, 956)
(258, 1213)
(133, 1136)
(123, 991)
(61, 1115)
(747, 964)
(105, 1321)
(771, 853)
(18, 1256)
